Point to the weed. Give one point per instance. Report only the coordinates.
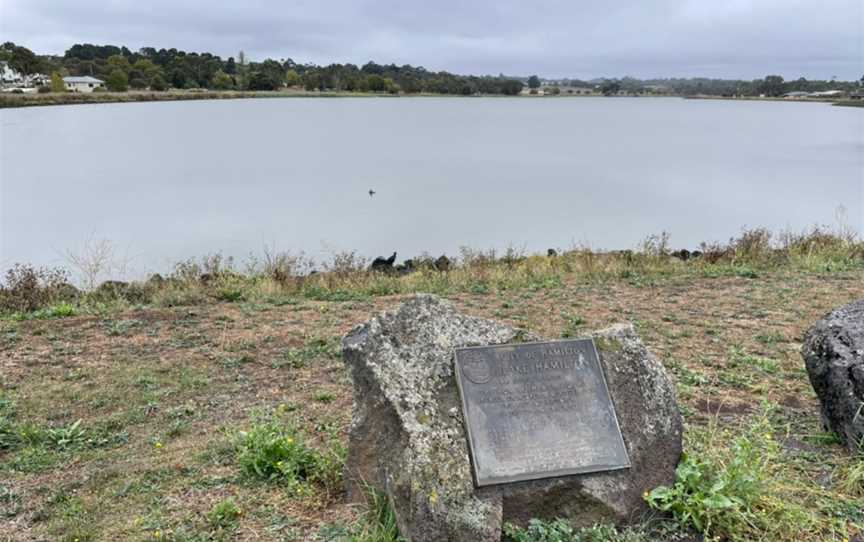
(275, 450)
(324, 396)
(559, 530)
(738, 358)
(316, 347)
(60, 310)
(734, 491)
(224, 516)
(852, 477)
(572, 325)
(379, 523)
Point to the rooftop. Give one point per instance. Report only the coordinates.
(85, 79)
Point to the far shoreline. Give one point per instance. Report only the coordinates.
(14, 100)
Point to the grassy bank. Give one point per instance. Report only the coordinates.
(32, 99)
(212, 404)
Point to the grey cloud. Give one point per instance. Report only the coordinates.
(556, 38)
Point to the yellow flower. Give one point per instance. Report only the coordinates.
(158, 445)
(157, 534)
(289, 440)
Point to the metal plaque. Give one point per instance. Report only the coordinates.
(537, 410)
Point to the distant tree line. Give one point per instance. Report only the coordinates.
(771, 85)
(161, 69)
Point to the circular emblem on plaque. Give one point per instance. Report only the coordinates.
(475, 368)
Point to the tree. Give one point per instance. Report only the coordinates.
(221, 81)
(158, 83)
(273, 71)
(533, 82)
(261, 81)
(118, 62)
(554, 91)
(772, 85)
(610, 88)
(292, 78)
(230, 66)
(118, 81)
(148, 69)
(57, 84)
(376, 83)
(21, 58)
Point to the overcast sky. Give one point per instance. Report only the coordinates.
(553, 38)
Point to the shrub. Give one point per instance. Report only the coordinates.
(720, 492)
(28, 288)
(224, 516)
(275, 450)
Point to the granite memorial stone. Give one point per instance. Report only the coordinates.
(589, 411)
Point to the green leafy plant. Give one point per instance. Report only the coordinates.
(66, 437)
(276, 450)
(719, 493)
(224, 516)
(559, 530)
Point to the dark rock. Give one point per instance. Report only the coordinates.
(442, 263)
(833, 352)
(66, 292)
(407, 436)
(406, 267)
(551, 252)
(383, 265)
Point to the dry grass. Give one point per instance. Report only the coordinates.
(165, 387)
(163, 374)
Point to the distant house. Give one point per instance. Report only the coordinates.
(857, 95)
(9, 76)
(827, 94)
(82, 84)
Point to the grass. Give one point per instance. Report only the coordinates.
(165, 392)
(33, 99)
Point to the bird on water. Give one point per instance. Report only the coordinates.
(371, 192)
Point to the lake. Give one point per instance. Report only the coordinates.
(165, 181)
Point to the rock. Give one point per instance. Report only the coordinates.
(682, 254)
(407, 436)
(551, 252)
(382, 264)
(833, 352)
(442, 263)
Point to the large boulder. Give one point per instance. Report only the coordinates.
(408, 440)
(833, 351)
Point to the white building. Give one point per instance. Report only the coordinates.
(9, 76)
(82, 84)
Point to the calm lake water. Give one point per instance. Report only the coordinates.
(166, 181)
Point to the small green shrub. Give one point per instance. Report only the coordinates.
(719, 492)
(224, 516)
(276, 450)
